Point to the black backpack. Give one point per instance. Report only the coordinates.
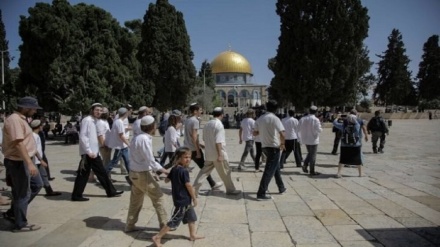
(163, 127)
(349, 135)
(375, 124)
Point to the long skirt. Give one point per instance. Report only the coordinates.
(350, 156)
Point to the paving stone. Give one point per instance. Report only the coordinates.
(376, 221)
(358, 207)
(390, 208)
(333, 217)
(307, 230)
(265, 221)
(293, 209)
(216, 213)
(360, 244)
(430, 201)
(349, 233)
(399, 238)
(275, 239)
(223, 235)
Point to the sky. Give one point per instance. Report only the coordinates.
(252, 27)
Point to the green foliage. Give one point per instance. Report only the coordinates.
(168, 74)
(394, 85)
(366, 104)
(6, 93)
(429, 70)
(431, 104)
(320, 57)
(72, 56)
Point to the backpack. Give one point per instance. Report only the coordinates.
(350, 136)
(163, 127)
(375, 124)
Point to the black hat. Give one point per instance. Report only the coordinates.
(28, 102)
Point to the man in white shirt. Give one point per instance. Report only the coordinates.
(191, 141)
(271, 132)
(290, 124)
(246, 133)
(216, 156)
(309, 130)
(118, 141)
(142, 112)
(90, 158)
(142, 162)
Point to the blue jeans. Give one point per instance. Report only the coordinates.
(116, 157)
(24, 190)
(272, 169)
(248, 148)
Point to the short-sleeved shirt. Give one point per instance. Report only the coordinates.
(171, 137)
(291, 128)
(191, 124)
(136, 127)
(213, 133)
(179, 176)
(103, 129)
(114, 139)
(269, 127)
(39, 148)
(247, 126)
(16, 128)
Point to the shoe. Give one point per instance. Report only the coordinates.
(241, 168)
(258, 170)
(51, 179)
(334, 153)
(338, 176)
(79, 199)
(375, 150)
(8, 216)
(217, 185)
(27, 228)
(127, 178)
(264, 198)
(116, 194)
(304, 168)
(314, 173)
(346, 165)
(380, 150)
(53, 193)
(234, 192)
(283, 191)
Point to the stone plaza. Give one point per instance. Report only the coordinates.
(395, 203)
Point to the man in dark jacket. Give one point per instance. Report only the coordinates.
(377, 128)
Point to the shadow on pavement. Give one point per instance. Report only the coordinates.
(413, 236)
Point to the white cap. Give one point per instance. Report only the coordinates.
(218, 109)
(122, 111)
(142, 109)
(96, 104)
(313, 108)
(104, 110)
(35, 123)
(147, 120)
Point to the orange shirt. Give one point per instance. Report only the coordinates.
(17, 128)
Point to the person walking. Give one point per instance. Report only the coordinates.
(216, 156)
(350, 143)
(191, 140)
(290, 124)
(142, 162)
(377, 128)
(246, 133)
(90, 157)
(142, 112)
(103, 130)
(18, 148)
(171, 139)
(271, 132)
(309, 130)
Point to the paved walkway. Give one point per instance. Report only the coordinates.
(396, 203)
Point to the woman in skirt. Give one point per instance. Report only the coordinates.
(350, 143)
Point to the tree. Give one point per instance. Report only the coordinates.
(168, 74)
(429, 70)
(320, 57)
(394, 85)
(72, 56)
(5, 94)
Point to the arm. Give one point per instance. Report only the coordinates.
(191, 193)
(364, 129)
(218, 147)
(240, 133)
(25, 156)
(196, 142)
(84, 139)
(282, 141)
(123, 139)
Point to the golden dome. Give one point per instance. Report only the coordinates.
(230, 62)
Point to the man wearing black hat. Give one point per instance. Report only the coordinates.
(19, 148)
(90, 158)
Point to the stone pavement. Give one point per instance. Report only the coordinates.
(396, 203)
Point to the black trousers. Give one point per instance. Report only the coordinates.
(291, 146)
(84, 172)
(201, 163)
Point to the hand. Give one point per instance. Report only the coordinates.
(33, 171)
(201, 145)
(43, 163)
(283, 147)
(91, 155)
(195, 202)
(220, 158)
(198, 154)
(366, 138)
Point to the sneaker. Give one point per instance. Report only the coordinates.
(27, 228)
(234, 192)
(217, 185)
(304, 168)
(283, 191)
(380, 150)
(264, 198)
(258, 170)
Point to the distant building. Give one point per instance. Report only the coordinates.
(233, 77)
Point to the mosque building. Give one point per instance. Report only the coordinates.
(233, 82)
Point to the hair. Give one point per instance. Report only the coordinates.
(193, 108)
(104, 116)
(250, 113)
(217, 113)
(272, 105)
(172, 121)
(312, 111)
(351, 118)
(376, 113)
(291, 113)
(179, 153)
(148, 128)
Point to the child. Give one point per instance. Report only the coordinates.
(183, 194)
(38, 159)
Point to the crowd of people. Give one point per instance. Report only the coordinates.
(275, 139)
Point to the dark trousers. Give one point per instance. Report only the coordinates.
(291, 146)
(46, 168)
(24, 189)
(338, 135)
(84, 172)
(164, 157)
(378, 136)
(259, 151)
(201, 163)
(272, 169)
(311, 157)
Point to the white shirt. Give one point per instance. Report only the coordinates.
(137, 128)
(191, 124)
(103, 129)
(309, 130)
(141, 154)
(114, 138)
(88, 136)
(291, 128)
(171, 138)
(39, 148)
(247, 126)
(214, 133)
(126, 125)
(269, 127)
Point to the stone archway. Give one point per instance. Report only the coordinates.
(232, 98)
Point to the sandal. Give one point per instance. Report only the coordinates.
(27, 228)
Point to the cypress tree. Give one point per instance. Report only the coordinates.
(429, 70)
(6, 91)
